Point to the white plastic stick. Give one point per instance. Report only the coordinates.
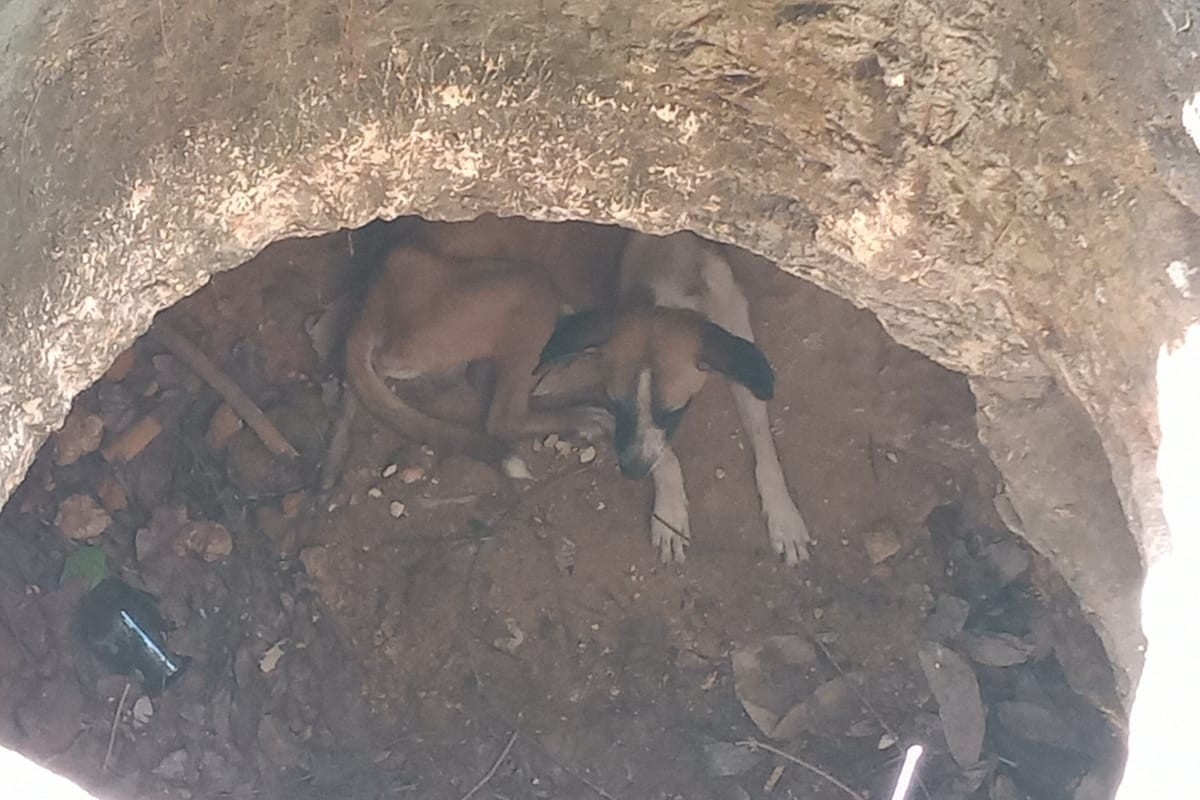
(903, 783)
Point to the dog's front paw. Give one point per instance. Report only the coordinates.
(671, 537)
(788, 533)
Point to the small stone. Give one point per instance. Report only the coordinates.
(81, 518)
(390, 470)
(173, 767)
(316, 562)
(562, 447)
(143, 710)
(80, 435)
(121, 366)
(881, 545)
(396, 509)
(551, 440)
(222, 427)
(587, 455)
(410, 475)
(720, 473)
(270, 659)
(292, 503)
(209, 540)
(112, 496)
(890, 456)
(375, 492)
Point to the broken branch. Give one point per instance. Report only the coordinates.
(237, 399)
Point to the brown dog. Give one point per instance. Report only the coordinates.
(660, 313)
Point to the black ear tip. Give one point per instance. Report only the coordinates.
(762, 384)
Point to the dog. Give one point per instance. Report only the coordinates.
(657, 315)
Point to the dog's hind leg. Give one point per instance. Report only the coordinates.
(786, 529)
(670, 531)
(512, 413)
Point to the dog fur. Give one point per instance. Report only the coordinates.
(657, 313)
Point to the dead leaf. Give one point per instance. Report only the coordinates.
(959, 705)
(997, 649)
(829, 710)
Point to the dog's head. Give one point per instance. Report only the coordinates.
(653, 362)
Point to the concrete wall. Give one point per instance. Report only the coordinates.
(1004, 186)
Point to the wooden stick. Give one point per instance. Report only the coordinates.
(495, 767)
(754, 744)
(238, 400)
(112, 734)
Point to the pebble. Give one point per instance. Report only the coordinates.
(375, 492)
(881, 545)
(720, 473)
(587, 455)
(410, 475)
(390, 470)
(143, 710)
(396, 509)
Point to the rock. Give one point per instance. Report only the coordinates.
(997, 649)
(587, 455)
(270, 659)
(410, 475)
(881, 545)
(316, 562)
(159, 537)
(375, 492)
(725, 760)
(143, 710)
(209, 540)
(174, 767)
(80, 434)
(81, 518)
(396, 509)
(389, 470)
(291, 504)
(1009, 559)
(948, 618)
(112, 496)
(221, 428)
(960, 708)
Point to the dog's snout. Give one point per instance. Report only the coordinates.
(632, 466)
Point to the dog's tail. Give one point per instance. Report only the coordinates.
(390, 409)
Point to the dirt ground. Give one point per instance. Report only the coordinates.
(429, 626)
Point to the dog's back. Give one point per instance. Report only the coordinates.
(580, 258)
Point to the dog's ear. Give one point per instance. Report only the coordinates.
(574, 335)
(738, 359)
